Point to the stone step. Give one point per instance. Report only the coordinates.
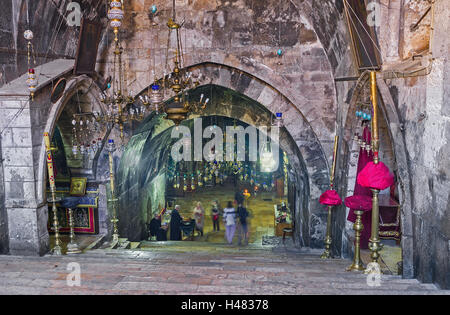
(135, 245)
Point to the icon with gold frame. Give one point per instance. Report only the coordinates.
(78, 186)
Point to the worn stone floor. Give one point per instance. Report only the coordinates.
(196, 268)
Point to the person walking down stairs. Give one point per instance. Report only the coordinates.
(242, 215)
(215, 213)
(229, 216)
(199, 216)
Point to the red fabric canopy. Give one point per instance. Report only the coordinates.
(375, 176)
(359, 202)
(330, 198)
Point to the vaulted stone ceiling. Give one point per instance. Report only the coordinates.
(47, 17)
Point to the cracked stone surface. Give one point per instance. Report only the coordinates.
(213, 269)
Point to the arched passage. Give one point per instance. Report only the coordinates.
(395, 153)
(302, 128)
(224, 102)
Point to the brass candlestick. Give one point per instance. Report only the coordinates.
(374, 241)
(51, 178)
(57, 248)
(111, 148)
(357, 264)
(327, 254)
(72, 247)
(374, 244)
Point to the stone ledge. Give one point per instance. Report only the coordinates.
(45, 74)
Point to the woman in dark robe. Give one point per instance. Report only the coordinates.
(175, 225)
(157, 230)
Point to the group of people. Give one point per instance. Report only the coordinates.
(236, 218)
(233, 219)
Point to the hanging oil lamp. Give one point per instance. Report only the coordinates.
(192, 182)
(32, 81)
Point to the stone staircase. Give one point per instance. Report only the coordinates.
(209, 268)
(197, 268)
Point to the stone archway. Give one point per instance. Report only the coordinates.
(83, 84)
(312, 163)
(394, 128)
(24, 122)
(313, 149)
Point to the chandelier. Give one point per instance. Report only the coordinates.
(84, 128)
(121, 108)
(177, 82)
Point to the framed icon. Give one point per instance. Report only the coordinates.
(78, 186)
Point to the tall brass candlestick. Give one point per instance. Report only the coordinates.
(111, 148)
(72, 247)
(374, 240)
(358, 226)
(333, 167)
(373, 96)
(51, 178)
(327, 253)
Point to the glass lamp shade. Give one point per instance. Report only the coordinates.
(156, 95)
(116, 14)
(28, 35)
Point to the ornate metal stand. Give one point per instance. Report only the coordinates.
(56, 250)
(111, 148)
(72, 247)
(374, 241)
(327, 254)
(357, 264)
(51, 179)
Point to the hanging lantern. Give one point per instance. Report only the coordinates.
(156, 97)
(74, 150)
(200, 179)
(279, 120)
(31, 80)
(115, 14)
(192, 182)
(177, 185)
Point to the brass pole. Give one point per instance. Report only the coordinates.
(72, 247)
(373, 96)
(113, 199)
(333, 168)
(357, 264)
(374, 238)
(51, 178)
(327, 253)
(374, 241)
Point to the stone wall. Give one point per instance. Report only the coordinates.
(27, 216)
(53, 39)
(423, 103)
(4, 239)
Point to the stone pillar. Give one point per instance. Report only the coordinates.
(26, 215)
(4, 239)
